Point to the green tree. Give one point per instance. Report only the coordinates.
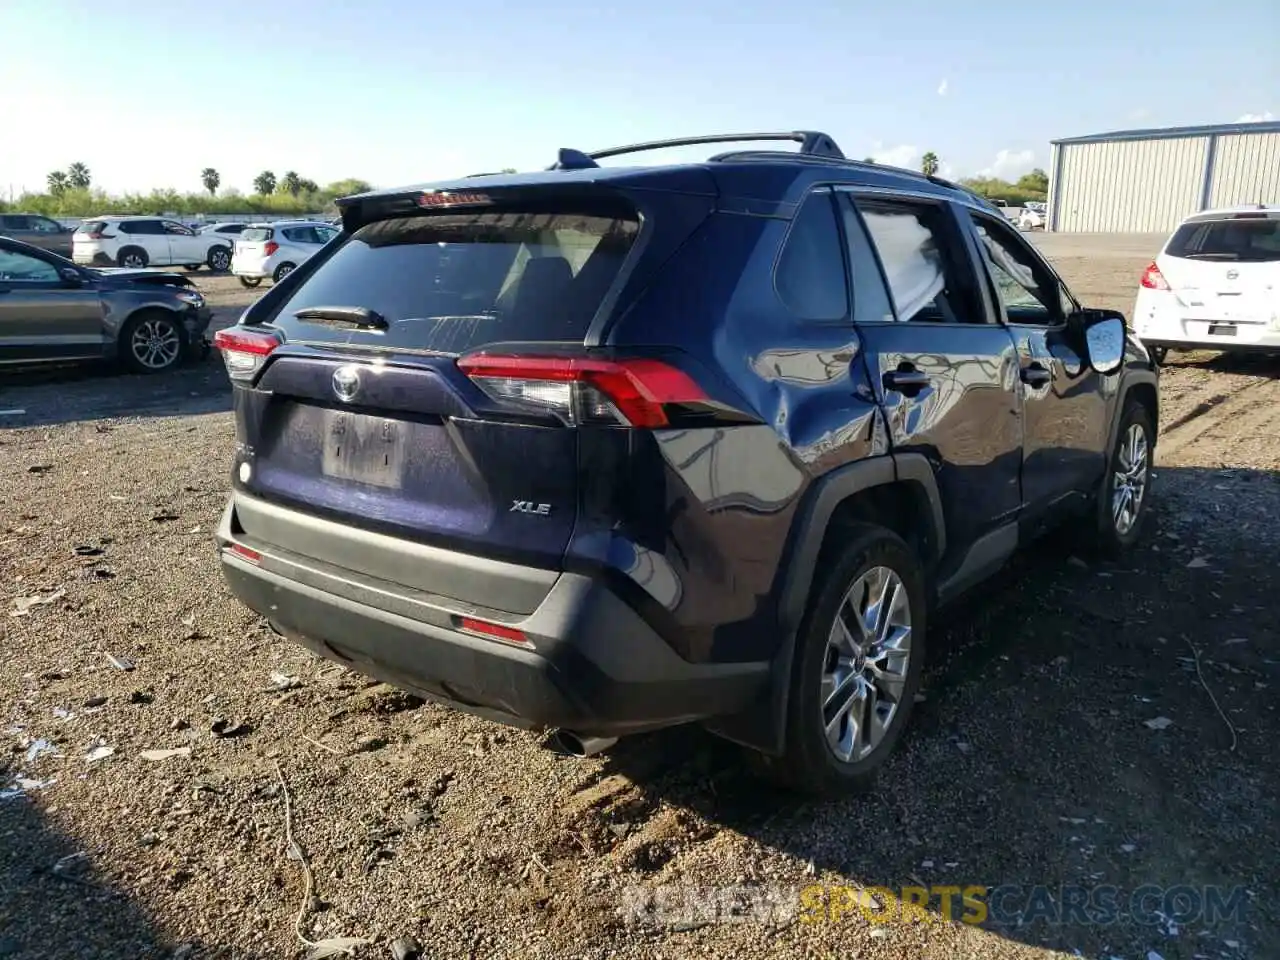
(264, 183)
(211, 179)
(58, 183)
(868, 159)
(510, 170)
(348, 187)
(308, 186)
(291, 183)
(78, 176)
(929, 164)
(1037, 181)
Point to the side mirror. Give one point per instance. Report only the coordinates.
(71, 277)
(1104, 338)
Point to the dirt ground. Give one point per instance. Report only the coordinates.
(1040, 757)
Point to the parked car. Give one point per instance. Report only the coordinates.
(1031, 218)
(607, 449)
(275, 249)
(228, 230)
(1215, 285)
(137, 242)
(38, 231)
(54, 310)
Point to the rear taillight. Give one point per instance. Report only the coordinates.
(497, 631)
(1153, 279)
(270, 248)
(635, 392)
(244, 351)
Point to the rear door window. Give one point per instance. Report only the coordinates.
(1239, 240)
(451, 282)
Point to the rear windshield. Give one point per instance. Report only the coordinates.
(1241, 240)
(254, 234)
(92, 226)
(451, 282)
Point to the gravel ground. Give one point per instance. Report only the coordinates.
(1030, 761)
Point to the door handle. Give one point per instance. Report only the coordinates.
(1035, 375)
(910, 380)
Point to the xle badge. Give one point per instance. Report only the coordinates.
(528, 506)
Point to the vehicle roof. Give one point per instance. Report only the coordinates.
(1267, 211)
(766, 175)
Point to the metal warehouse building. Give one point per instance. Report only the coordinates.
(1147, 180)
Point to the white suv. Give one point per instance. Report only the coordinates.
(138, 242)
(274, 249)
(1215, 286)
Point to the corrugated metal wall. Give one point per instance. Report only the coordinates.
(1131, 186)
(1246, 169)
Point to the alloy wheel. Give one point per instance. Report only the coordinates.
(219, 260)
(1129, 482)
(156, 344)
(868, 654)
(134, 261)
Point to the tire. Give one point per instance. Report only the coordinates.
(283, 271)
(250, 281)
(1158, 354)
(135, 258)
(219, 259)
(152, 342)
(1129, 468)
(193, 267)
(869, 556)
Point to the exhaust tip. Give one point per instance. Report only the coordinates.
(576, 745)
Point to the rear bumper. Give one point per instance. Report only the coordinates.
(1225, 345)
(1161, 320)
(591, 665)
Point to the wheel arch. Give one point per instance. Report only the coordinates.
(898, 492)
(1142, 386)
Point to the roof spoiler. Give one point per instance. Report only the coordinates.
(812, 143)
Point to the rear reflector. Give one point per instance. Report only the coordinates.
(244, 553)
(1153, 279)
(498, 630)
(582, 390)
(244, 351)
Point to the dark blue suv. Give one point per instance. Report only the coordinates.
(607, 449)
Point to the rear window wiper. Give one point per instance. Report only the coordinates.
(357, 316)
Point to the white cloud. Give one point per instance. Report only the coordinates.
(1263, 117)
(1140, 114)
(942, 88)
(1010, 164)
(903, 155)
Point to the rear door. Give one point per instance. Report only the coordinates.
(945, 372)
(185, 245)
(379, 427)
(1226, 273)
(41, 318)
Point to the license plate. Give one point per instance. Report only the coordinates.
(363, 449)
(1222, 330)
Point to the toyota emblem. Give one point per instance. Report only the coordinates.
(346, 383)
(1232, 274)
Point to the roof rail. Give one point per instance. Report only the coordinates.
(812, 143)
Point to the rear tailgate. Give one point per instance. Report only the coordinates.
(1226, 270)
(253, 240)
(375, 425)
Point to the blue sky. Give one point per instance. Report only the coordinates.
(400, 92)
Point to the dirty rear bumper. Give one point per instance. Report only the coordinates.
(592, 664)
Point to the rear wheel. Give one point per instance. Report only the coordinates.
(250, 281)
(135, 258)
(282, 271)
(859, 655)
(152, 342)
(219, 259)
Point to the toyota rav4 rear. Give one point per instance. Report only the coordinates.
(446, 479)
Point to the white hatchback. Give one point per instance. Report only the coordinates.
(275, 249)
(1215, 286)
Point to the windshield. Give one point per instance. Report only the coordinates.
(1253, 240)
(451, 282)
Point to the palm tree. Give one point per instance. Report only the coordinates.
(291, 183)
(308, 186)
(265, 183)
(57, 183)
(78, 176)
(929, 163)
(211, 179)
